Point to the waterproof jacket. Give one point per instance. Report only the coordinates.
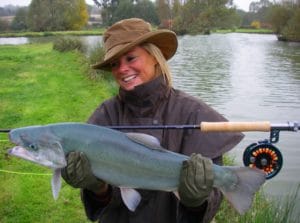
(154, 103)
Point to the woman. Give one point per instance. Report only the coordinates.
(137, 57)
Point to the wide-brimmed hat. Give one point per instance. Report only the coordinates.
(127, 33)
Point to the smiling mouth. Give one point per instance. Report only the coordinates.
(129, 78)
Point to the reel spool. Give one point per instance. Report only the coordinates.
(265, 156)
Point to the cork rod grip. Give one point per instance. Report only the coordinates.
(264, 126)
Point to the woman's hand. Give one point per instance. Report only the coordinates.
(196, 180)
(78, 174)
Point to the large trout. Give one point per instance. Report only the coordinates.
(127, 160)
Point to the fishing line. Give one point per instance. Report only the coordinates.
(25, 173)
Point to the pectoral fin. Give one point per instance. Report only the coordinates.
(56, 183)
(130, 197)
(176, 194)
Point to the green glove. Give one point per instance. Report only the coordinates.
(78, 173)
(196, 180)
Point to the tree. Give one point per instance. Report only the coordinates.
(278, 17)
(113, 10)
(256, 6)
(4, 25)
(164, 12)
(124, 10)
(285, 20)
(292, 29)
(19, 21)
(146, 10)
(202, 16)
(108, 10)
(49, 15)
(77, 15)
(38, 19)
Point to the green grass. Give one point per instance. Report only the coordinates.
(37, 86)
(258, 31)
(263, 210)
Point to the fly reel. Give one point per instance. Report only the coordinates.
(265, 156)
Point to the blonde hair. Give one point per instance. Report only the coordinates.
(162, 66)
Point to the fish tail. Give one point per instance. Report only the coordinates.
(240, 194)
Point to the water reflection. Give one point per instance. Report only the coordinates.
(13, 40)
(201, 67)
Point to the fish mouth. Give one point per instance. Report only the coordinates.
(23, 153)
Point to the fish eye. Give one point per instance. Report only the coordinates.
(33, 146)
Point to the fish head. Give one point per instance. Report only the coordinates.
(39, 145)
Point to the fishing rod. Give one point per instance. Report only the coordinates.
(263, 154)
(260, 126)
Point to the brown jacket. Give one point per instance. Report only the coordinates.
(156, 104)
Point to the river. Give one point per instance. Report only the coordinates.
(246, 77)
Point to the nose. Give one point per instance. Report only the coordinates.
(123, 66)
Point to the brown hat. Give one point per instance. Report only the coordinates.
(127, 33)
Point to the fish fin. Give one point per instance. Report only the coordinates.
(176, 194)
(144, 139)
(56, 183)
(248, 182)
(130, 197)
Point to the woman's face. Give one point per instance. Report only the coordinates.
(133, 68)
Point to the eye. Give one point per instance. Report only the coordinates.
(130, 58)
(33, 147)
(114, 64)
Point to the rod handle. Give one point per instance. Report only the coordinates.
(263, 126)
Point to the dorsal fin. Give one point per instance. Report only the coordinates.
(144, 139)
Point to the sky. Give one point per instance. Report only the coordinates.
(241, 4)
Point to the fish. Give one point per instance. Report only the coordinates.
(129, 161)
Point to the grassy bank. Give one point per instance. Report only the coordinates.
(39, 86)
(53, 33)
(101, 31)
(256, 31)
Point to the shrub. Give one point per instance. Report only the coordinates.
(255, 24)
(96, 55)
(64, 44)
(292, 30)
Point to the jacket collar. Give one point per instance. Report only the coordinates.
(146, 95)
